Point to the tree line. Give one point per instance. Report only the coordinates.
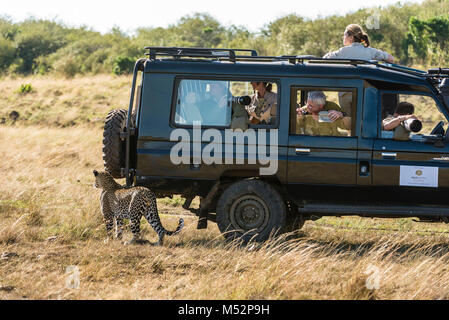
(415, 34)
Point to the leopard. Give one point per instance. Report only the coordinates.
(119, 202)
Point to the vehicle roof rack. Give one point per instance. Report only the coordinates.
(225, 54)
(219, 54)
(431, 74)
(216, 53)
(379, 64)
(439, 72)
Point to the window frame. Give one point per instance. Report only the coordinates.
(178, 80)
(440, 108)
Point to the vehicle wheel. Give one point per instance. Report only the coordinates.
(113, 147)
(250, 209)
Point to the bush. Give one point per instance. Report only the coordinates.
(7, 54)
(68, 67)
(123, 65)
(25, 88)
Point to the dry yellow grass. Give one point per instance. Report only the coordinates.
(63, 102)
(50, 220)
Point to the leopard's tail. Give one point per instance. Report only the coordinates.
(178, 228)
(159, 228)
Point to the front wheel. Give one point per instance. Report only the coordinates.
(250, 209)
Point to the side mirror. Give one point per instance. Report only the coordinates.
(438, 136)
(439, 132)
(439, 143)
(439, 129)
(446, 135)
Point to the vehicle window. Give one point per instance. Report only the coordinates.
(206, 101)
(322, 112)
(412, 117)
(222, 103)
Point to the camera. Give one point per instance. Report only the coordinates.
(413, 125)
(243, 100)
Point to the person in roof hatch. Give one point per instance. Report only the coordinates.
(356, 45)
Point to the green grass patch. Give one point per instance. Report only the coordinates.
(25, 88)
(176, 201)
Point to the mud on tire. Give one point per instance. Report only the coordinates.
(250, 209)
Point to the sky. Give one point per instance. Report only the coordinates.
(128, 15)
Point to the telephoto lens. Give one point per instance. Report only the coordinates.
(243, 100)
(413, 125)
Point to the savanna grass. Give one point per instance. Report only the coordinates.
(50, 218)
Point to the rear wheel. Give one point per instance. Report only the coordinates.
(250, 209)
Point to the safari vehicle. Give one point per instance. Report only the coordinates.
(361, 170)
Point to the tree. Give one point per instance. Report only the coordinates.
(199, 30)
(7, 53)
(37, 38)
(428, 38)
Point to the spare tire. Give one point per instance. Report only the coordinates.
(113, 146)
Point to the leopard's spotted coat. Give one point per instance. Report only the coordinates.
(121, 203)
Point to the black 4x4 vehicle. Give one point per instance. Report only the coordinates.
(276, 175)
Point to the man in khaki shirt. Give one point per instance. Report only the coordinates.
(312, 121)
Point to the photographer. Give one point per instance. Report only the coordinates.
(310, 123)
(404, 111)
(262, 109)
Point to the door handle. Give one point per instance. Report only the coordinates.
(302, 150)
(389, 154)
